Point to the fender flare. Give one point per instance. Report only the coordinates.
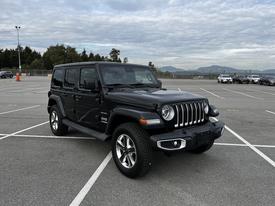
(59, 104)
(133, 114)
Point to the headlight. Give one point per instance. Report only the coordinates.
(167, 112)
(206, 108)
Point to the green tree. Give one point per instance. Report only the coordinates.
(114, 55)
(152, 66)
(37, 64)
(84, 56)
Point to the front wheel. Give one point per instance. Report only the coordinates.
(131, 150)
(57, 127)
(203, 148)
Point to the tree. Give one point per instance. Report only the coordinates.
(114, 54)
(125, 60)
(84, 56)
(152, 67)
(37, 64)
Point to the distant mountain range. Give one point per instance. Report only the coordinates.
(214, 69)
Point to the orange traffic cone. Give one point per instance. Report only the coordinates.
(17, 78)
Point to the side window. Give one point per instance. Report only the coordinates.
(70, 78)
(58, 77)
(87, 78)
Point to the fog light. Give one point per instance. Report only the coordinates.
(175, 143)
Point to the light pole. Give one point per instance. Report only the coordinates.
(18, 46)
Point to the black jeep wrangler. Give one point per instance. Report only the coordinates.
(126, 102)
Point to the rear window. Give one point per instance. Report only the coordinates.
(70, 78)
(58, 77)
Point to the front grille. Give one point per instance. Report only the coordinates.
(187, 114)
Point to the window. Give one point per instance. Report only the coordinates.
(87, 78)
(127, 74)
(70, 78)
(58, 77)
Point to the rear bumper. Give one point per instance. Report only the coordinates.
(188, 138)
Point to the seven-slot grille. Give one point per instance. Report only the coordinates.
(189, 113)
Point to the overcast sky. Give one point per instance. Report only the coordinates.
(182, 33)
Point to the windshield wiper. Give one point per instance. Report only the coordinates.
(146, 85)
(119, 85)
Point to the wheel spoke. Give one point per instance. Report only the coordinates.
(122, 158)
(120, 143)
(131, 159)
(128, 143)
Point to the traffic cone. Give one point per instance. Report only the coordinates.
(17, 78)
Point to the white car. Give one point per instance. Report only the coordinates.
(253, 78)
(225, 78)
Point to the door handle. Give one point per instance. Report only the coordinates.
(77, 97)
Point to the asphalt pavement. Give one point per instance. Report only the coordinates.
(37, 168)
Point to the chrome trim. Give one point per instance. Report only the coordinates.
(196, 118)
(187, 116)
(177, 124)
(191, 111)
(182, 115)
(182, 144)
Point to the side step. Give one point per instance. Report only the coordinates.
(91, 132)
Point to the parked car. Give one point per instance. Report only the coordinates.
(127, 104)
(253, 78)
(267, 80)
(240, 79)
(225, 78)
(6, 74)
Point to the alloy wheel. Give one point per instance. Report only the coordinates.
(126, 151)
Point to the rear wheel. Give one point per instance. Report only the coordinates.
(131, 150)
(203, 148)
(57, 127)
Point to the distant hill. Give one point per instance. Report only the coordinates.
(269, 71)
(214, 69)
(170, 69)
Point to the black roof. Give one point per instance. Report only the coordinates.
(95, 62)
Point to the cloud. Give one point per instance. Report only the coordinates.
(186, 34)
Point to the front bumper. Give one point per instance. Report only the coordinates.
(188, 138)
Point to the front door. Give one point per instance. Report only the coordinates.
(87, 100)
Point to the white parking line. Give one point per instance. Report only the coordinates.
(244, 94)
(212, 93)
(23, 130)
(83, 192)
(49, 136)
(243, 145)
(16, 110)
(260, 91)
(270, 112)
(265, 157)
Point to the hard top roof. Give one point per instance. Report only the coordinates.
(95, 62)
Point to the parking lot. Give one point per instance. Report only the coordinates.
(37, 168)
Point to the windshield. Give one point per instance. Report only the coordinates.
(127, 75)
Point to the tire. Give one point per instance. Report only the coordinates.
(57, 127)
(203, 148)
(138, 158)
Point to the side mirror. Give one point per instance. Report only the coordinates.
(159, 83)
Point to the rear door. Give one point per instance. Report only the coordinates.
(69, 89)
(87, 99)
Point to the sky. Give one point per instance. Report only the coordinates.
(183, 33)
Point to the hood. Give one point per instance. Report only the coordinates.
(151, 97)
